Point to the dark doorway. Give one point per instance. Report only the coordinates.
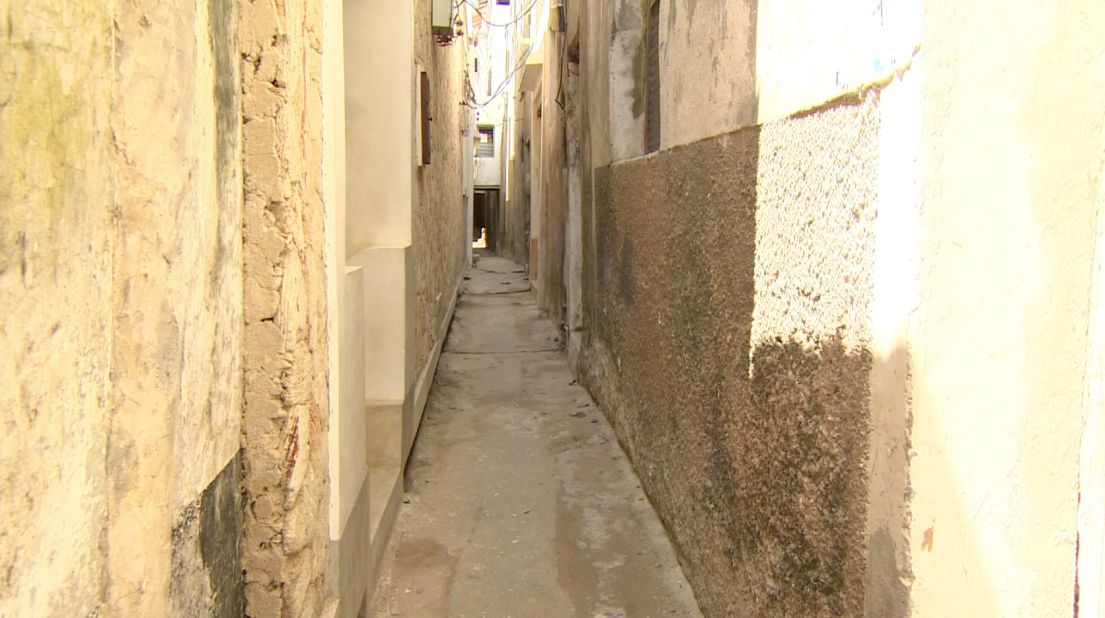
(485, 216)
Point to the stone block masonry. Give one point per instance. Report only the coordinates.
(284, 426)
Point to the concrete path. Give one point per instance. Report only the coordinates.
(520, 502)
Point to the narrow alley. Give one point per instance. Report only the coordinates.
(552, 308)
(519, 500)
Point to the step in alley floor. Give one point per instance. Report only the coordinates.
(519, 500)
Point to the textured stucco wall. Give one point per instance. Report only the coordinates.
(806, 54)
(439, 195)
(55, 332)
(284, 426)
(736, 376)
(122, 274)
(903, 335)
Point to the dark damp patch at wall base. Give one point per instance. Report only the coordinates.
(206, 575)
(801, 499)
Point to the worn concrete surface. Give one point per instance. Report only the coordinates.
(520, 502)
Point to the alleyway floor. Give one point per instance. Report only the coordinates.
(519, 500)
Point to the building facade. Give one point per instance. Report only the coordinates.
(833, 274)
(208, 400)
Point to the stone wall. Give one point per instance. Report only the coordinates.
(284, 427)
(439, 194)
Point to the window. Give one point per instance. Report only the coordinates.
(485, 141)
(652, 102)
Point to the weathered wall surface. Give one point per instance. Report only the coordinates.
(177, 296)
(178, 281)
(56, 241)
(122, 274)
(511, 241)
(284, 427)
(880, 367)
(439, 223)
(736, 376)
(551, 291)
(708, 69)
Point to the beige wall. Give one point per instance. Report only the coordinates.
(708, 68)
(402, 245)
(1011, 192)
(122, 278)
(173, 259)
(378, 59)
(806, 54)
(55, 333)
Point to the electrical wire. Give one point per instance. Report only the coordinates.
(476, 104)
(517, 19)
(471, 100)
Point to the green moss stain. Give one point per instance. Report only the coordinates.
(49, 121)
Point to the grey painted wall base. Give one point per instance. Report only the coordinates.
(426, 378)
(356, 558)
(349, 559)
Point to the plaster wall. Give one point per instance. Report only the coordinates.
(121, 270)
(511, 241)
(346, 358)
(1091, 507)
(626, 89)
(906, 161)
(380, 151)
(708, 69)
(177, 292)
(805, 54)
(402, 266)
(710, 340)
(56, 251)
(1011, 191)
(553, 164)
